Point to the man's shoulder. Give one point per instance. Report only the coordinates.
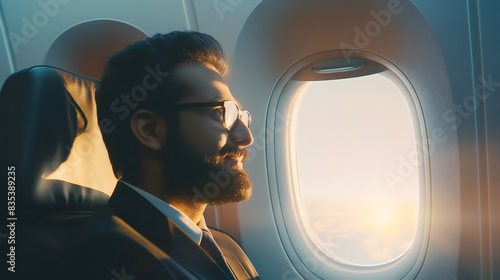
(112, 247)
(234, 253)
(108, 225)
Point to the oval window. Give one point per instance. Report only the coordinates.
(360, 190)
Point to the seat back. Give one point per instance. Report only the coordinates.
(62, 172)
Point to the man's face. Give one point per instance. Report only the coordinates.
(202, 158)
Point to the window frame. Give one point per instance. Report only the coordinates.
(305, 253)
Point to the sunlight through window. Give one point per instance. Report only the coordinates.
(352, 137)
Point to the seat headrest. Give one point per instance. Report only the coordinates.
(51, 137)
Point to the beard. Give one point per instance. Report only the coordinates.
(212, 179)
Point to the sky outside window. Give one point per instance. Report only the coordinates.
(350, 134)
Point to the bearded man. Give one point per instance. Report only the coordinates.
(170, 125)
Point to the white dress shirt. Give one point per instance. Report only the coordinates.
(175, 215)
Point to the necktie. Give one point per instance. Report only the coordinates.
(208, 244)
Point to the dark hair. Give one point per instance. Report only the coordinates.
(139, 77)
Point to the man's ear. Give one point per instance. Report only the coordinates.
(148, 129)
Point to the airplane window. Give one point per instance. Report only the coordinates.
(358, 175)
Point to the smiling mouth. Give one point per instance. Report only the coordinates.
(235, 160)
(239, 159)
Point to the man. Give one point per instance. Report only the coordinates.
(170, 125)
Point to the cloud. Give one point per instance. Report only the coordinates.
(356, 233)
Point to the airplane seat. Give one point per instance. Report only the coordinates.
(44, 111)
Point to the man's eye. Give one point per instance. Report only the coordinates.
(218, 113)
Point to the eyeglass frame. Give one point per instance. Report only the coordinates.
(186, 106)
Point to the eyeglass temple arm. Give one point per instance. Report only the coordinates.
(183, 106)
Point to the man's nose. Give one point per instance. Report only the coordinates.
(241, 135)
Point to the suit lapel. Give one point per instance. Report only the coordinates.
(141, 215)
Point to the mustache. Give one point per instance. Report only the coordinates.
(234, 152)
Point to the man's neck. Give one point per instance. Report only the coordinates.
(194, 210)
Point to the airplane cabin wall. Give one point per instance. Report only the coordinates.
(469, 39)
(302, 35)
(490, 57)
(489, 68)
(31, 27)
(467, 32)
(6, 64)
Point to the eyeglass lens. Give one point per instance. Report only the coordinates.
(231, 115)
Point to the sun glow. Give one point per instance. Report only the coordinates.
(385, 216)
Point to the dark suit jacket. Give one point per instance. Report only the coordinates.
(133, 240)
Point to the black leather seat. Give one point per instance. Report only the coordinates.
(43, 112)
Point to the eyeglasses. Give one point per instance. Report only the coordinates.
(231, 112)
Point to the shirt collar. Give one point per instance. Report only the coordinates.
(175, 215)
